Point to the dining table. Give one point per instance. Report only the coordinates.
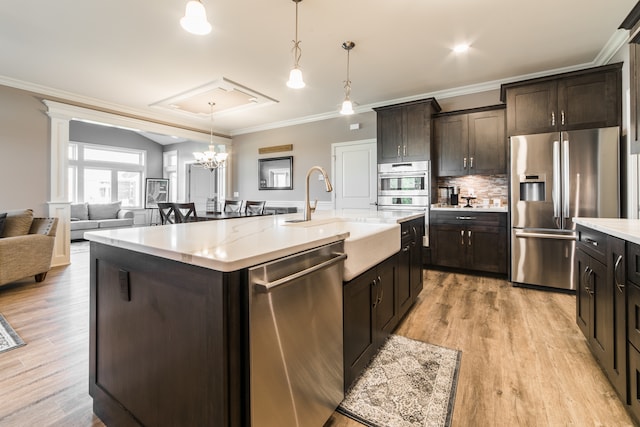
(212, 216)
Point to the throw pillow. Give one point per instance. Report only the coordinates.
(104, 210)
(3, 217)
(18, 223)
(79, 210)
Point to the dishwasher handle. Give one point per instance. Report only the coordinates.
(265, 286)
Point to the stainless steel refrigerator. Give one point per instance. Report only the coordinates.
(554, 178)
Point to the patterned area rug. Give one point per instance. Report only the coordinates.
(408, 383)
(9, 339)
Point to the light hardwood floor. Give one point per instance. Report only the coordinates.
(524, 361)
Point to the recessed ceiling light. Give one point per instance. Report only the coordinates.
(461, 48)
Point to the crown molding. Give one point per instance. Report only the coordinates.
(59, 110)
(115, 110)
(441, 94)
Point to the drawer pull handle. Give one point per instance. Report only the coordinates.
(591, 241)
(466, 218)
(619, 285)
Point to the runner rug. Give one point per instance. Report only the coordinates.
(408, 383)
(9, 339)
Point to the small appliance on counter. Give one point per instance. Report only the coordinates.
(453, 199)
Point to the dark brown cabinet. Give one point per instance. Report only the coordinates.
(601, 290)
(404, 131)
(409, 265)
(376, 300)
(144, 311)
(582, 99)
(471, 142)
(369, 315)
(469, 240)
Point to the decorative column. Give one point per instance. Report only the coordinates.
(59, 204)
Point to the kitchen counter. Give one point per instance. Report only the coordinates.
(623, 228)
(228, 246)
(473, 209)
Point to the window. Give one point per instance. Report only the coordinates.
(103, 174)
(170, 171)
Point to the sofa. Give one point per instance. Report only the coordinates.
(98, 216)
(26, 245)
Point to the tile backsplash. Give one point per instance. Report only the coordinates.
(483, 186)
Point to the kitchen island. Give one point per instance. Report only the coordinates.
(169, 309)
(607, 283)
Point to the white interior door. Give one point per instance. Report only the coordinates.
(355, 174)
(202, 185)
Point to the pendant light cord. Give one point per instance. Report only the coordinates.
(297, 52)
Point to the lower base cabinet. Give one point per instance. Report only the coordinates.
(376, 300)
(369, 315)
(469, 240)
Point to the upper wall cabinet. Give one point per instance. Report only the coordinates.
(404, 131)
(470, 142)
(632, 23)
(578, 100)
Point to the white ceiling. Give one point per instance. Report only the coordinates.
(127, 55)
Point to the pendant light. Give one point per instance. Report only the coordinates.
(347, 105)
(295, 76)
(210, 159)
(195, 19)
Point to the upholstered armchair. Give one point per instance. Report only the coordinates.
(27, 246)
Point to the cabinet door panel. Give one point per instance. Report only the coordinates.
(589, 101)
(487, 143)
(418, 132)
(582, 292)
(385, 311)
(617, 371)
(601, 337)
(633, 263)
(634, 381)
(452, 144)
(359, 322)
(486, 249)
(416, 259)
(633, 313)
(390, 135)
(532, 108)
(404, 277)
(448, 249)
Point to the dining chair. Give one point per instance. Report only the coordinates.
(232, 206)
(167, 213)
(252, 207)
(185, 212)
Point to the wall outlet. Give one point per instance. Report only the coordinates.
(320, 177)
(236, 194)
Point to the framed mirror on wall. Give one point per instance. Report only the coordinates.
(275, 173)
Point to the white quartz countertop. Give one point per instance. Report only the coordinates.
(473, 209)
(234, 244)
(626, 229)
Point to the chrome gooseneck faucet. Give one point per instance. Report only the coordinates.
(308, 209)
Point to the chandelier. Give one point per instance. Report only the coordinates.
(210, 159)
(295, 76)
(347, 105)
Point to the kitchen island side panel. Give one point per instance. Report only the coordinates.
(166, 341)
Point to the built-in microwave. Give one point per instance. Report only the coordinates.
(395, 179)
(405, 187)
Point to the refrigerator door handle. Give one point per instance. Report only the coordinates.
(529, 234)
(565, 182)
(555, 191)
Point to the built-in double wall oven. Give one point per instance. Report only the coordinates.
(405, 186)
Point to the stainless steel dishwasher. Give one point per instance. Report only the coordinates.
(296, 338)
